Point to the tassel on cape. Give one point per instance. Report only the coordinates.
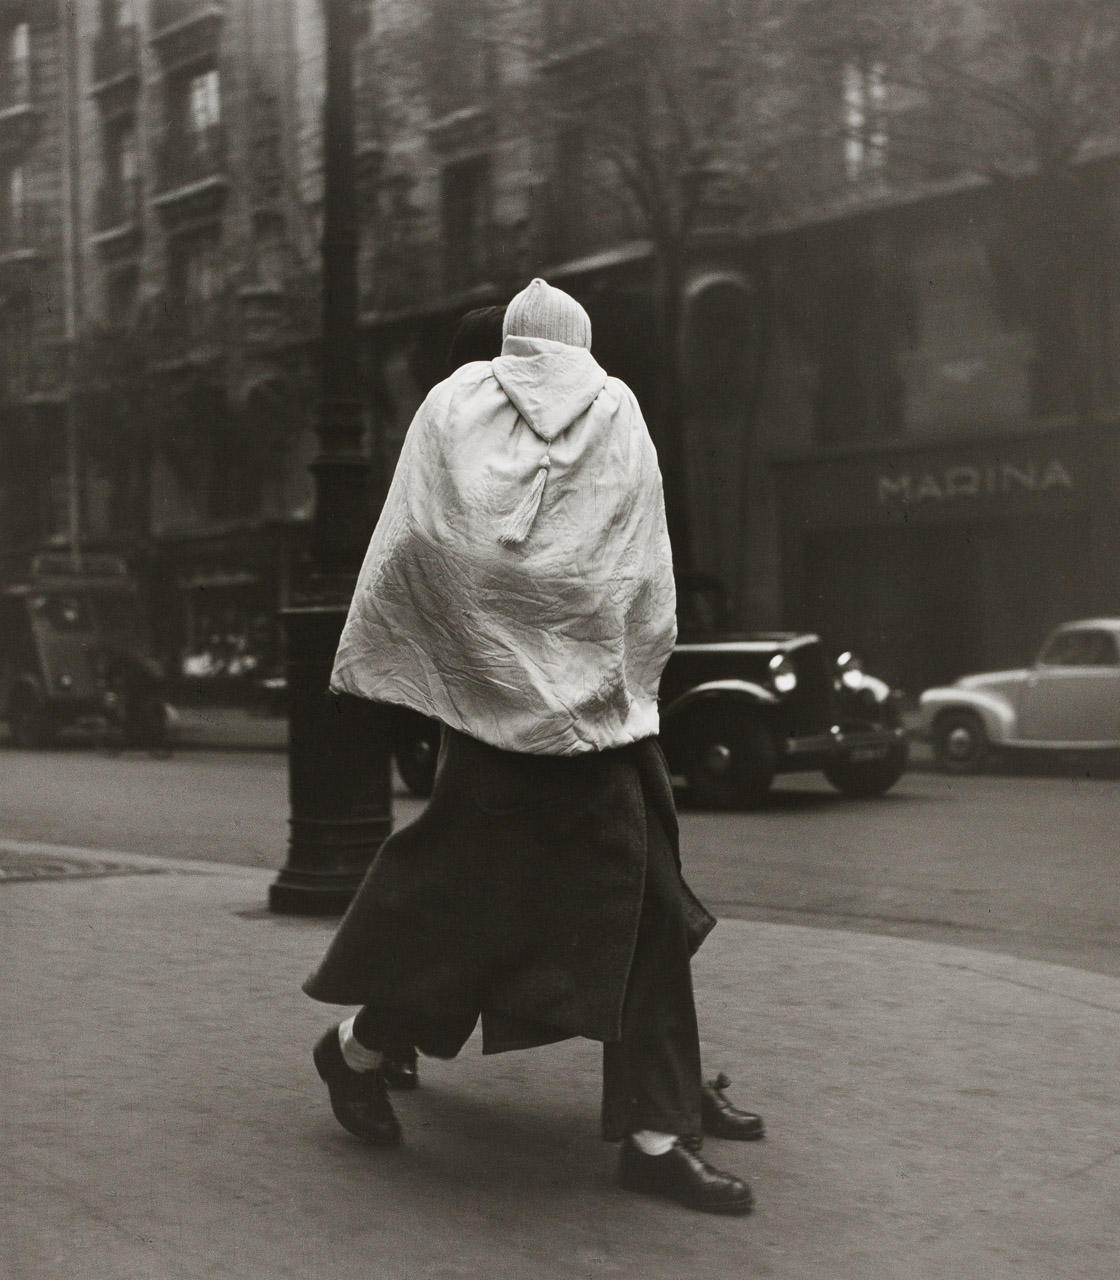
(515, 528)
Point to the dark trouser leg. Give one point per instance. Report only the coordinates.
(652, 1076)
(397, 1031)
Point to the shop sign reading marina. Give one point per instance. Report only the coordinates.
(988, 480)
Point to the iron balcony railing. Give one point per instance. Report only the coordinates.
(115, 53)
(171, 13)
(185, 157)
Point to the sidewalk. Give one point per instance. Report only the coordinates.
(228, 729)
(933, 1112)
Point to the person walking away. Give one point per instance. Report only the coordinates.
(518, 587)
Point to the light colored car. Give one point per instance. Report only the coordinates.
(1069, 700)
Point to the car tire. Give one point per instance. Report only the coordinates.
(30, 725)
(416, 752)
(732, 759)
(866, 779)
(960, 742)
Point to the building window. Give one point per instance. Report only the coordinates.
(19, 42)
(13, 210)
(122, 292)
(201, 273)
(119, 196)
(15, 349)
(466, 222)
(205, 102)
(121, 160)
(194, 146)
(195, 110)
(865, 125)
(196, 282)
(15, 195)
(17, 73)
(269, 251)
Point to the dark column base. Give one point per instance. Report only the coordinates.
(338, 774)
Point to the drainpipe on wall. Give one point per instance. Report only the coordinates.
(72, 269)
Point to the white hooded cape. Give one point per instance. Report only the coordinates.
(554, 645)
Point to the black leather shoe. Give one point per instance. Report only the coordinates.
(722, 1120)
(682, 1176)
(398, 1067)
(358, 1098)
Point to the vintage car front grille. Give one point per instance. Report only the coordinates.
(811, 707)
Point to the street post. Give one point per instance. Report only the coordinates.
(338, 750)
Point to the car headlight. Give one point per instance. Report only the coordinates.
(850, 670)
(783, 676)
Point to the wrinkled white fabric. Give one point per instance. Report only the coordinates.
(554, 646)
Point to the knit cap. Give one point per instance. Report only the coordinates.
(540, 311)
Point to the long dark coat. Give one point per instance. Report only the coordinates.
(515, 894)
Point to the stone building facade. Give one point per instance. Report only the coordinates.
(866, 431)
(155, 199)
(33, 138)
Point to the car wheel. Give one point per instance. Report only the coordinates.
(416, 751)
(30, 725)
(960, 743)
(868, 778)
(732, 759)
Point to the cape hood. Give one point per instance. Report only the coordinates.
(552, 642)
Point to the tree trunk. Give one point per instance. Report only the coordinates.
(667, 420)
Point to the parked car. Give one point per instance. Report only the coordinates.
(73, 648)
(738, 710)
(1068, 700)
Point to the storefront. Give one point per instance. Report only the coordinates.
(217, 597)
(937, 560)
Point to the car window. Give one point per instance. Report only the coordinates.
(1081, 648)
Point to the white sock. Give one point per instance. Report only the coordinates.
(356, 1056)
(651, 1143)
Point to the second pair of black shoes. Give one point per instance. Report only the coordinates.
(722, 1119)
